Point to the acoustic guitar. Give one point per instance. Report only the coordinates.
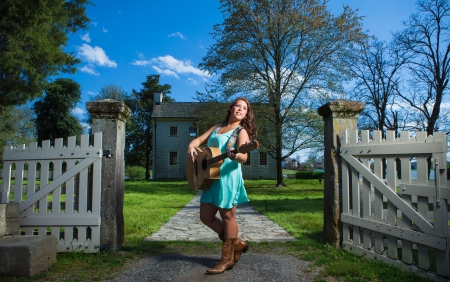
(206, 167)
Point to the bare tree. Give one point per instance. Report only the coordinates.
(426, 39)
(377, 71)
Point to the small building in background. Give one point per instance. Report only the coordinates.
(290, 163)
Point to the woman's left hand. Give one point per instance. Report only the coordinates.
(231, 155)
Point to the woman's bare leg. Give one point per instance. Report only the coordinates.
(229, 222)
(208, 217)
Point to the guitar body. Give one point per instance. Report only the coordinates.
(206, 167)
(199, 174)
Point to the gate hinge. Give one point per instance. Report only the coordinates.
(107, 153)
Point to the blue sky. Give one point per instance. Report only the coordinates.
(129, 40)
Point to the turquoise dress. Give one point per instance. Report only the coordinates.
(229, 190)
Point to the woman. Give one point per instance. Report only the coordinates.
(228, 191)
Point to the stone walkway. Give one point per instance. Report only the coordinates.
(186, 226)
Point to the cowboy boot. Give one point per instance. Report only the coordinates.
(240, 246)
(227, 260)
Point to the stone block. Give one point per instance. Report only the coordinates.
(9, 210)
(9, 219)
(26, 255)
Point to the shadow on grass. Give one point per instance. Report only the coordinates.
(306, 205)
(159, 187)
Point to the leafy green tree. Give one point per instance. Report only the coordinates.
(110, 91)
(284, 54)
(139, 133)
(16, 126)
(53, 111)
(32, 37)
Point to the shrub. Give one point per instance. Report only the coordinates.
(448, 171)
(135, 172)
(309, 175)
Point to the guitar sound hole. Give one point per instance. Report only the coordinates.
(204, 164)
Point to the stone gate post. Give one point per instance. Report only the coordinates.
(109, 116)
(337, 115)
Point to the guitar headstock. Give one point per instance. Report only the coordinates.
(248, 147)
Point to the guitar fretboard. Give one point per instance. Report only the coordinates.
(219, 158)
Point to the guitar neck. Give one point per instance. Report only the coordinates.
(220, 157)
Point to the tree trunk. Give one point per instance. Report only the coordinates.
(280, 179)
(280, 182)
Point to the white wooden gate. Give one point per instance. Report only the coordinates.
(66, 205)
(399, 220)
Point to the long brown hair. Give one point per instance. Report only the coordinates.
(248, 122)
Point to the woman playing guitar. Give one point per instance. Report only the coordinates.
(228, 191)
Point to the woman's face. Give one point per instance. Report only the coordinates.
(239, 110)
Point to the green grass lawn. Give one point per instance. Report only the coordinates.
(298, 208)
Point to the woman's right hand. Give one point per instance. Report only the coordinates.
(191, 153)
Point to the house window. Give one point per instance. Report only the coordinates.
(173, 158)
(262, 158)
(173, 131)
(192, 131)
(247, 162)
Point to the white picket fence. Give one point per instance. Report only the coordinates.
(67, 204)
(384, 215)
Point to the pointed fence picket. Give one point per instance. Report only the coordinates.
(61, 196)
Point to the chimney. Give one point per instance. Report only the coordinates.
(157, 99)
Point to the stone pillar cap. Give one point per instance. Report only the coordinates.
(342, 108)
(108, 109)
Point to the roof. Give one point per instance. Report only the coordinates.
(175, 110)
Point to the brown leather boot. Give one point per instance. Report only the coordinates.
(240, 246)
(227, 260)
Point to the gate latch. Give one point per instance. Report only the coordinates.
(107, 153)
(437, 181)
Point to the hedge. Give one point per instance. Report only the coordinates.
(135, 172)
(309, 175)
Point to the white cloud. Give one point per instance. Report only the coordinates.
(105, 30)
(165, 72)
(445, 105)
(89, 69)
(94, 23)
(95, 55)
(78, 111)
(142, 63)
(140, 55)
(92, 93)
(86, 37)
(177, 34)
(191, 81)
(168, 65)
(86, 127)
(178, 66)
